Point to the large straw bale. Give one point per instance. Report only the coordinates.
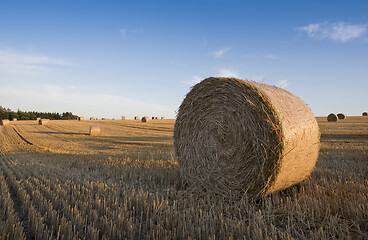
(94, 130)
(5, 122)
(365, 114)
(43, 121)
(341, 116)
(244, 137)
(145, 119)
(332, 117)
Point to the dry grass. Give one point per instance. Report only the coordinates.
(240, 137)
(58, 182)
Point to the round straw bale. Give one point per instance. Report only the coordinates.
(244, 137)
(14, 119)
(145, 119)
(123, 118)
(91, 118)
(5, 122)
(365, 114)
(162, 118)
(332, 117)
(341, 116)
(136, 118)
(43, 121)
(94, 130)
(80, 118)
(38, 119)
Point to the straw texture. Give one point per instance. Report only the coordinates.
(341, 116)
(144, 119)
(94, 130)
(244, 137)
(332, 117)
(5, 122)
(43, 121)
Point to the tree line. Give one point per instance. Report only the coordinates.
(6, 113)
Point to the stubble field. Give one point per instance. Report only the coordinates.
(57, 182)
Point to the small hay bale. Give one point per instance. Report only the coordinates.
(80, 118)
(14, 119)
(364, 114)
(37, 119)
(94, 130)
(153, 118)
(332, 117)
(235, 136)
(5, 122)
(123, 118)
(136, 118)
(341, 116)
(43, 121)
(145, 119)
(162, 118)
(91, 118)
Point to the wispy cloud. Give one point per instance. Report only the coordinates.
(262, 56)
(193, 81)
(283, 84)
(228, 73)
(80, 102)
(220, 53)
(15, 62)
(340, 31)
(122, 32)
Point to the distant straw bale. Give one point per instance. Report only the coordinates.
(145, 119)
(365, 114)
(80, 118)
(14, 120)
(37, 119)
(153, 118)
(94, 130)
(162, 118)
(43, 121)
(332, 117)
(123, 118)
(136, 118)
(5, 122)
(91, 118)
(244, 137)
(341, 116)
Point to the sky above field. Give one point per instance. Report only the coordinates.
(137, 58)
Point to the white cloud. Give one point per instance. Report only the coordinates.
(193, 81)
(228, 73)
(123, 32)
(283, 84)
(220, 53)
(262, 56)
(339, 31)
(81, 102)
(14, 62)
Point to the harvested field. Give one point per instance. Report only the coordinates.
(57, 181)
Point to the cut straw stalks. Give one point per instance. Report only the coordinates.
(5, 122)
(332, 117)
(235, 136)
(43, 121)
(341, 116)
(94, 130)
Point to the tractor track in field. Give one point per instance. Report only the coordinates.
(20, 135)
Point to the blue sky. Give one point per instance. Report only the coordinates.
(137, 58)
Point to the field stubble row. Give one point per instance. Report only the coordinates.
(126, 184)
